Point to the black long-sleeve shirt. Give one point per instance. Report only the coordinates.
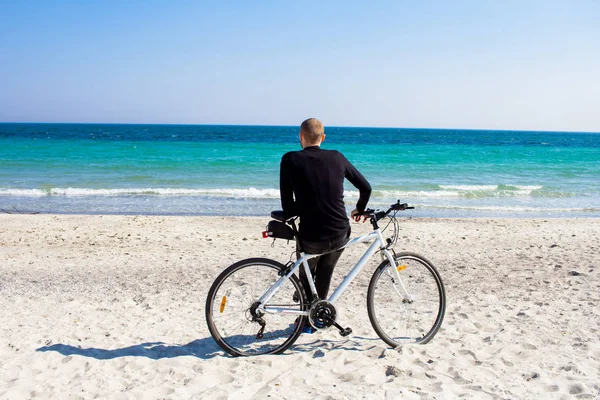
(315, 178)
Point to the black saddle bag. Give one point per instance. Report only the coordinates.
(279, 230)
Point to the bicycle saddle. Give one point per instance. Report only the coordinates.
(278, 215)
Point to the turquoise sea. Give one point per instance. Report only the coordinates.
(234, 170)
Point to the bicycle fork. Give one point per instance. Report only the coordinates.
(405, 295)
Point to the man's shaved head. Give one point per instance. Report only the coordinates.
(313, 131)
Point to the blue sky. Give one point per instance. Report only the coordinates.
(531, 65)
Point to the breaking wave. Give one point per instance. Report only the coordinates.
(439, 191)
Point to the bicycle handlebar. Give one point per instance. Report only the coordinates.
(380, 214)
(369, 212)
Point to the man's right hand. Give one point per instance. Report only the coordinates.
(355, 215)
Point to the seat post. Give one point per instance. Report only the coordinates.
(292, 222)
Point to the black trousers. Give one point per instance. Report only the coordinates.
(322, 267)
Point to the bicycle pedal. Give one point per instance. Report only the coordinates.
(345, 332)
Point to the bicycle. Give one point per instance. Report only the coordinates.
(258, 306)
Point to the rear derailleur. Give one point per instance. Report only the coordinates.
(257, 316)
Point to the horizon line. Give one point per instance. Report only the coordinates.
(294, 126)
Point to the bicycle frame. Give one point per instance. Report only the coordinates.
(377, 245)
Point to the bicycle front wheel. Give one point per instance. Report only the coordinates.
(231, 315)
(409, 310)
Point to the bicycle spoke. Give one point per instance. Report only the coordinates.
(398, 319)
(234, 322)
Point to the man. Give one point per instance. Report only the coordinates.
(312, 187)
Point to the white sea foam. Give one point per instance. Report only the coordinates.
(525, 187)
(406, 193)
(469, 187)
(22, 192)
(447, 191)
(250, 192)
(507, 209)
(476, 188)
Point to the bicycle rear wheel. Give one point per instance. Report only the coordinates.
(229, 309)
(396, 319)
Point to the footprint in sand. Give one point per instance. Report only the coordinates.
(507, 363)
(467, 353)
(575, 389)
(376, 353)
(529, 346)
(225, 379)
(459, 380)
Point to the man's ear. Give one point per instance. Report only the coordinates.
(323, 138)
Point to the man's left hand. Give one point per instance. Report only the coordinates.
(355, 215)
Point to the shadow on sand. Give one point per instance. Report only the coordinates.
(202, 348)
(205, 349)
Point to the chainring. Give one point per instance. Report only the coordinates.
(322, 314)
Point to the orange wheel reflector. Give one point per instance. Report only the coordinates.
(223, 301)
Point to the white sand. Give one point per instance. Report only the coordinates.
(113, 307)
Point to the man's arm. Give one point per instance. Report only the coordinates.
(359, 182)
(285, 188)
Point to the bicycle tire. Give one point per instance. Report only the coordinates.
(229, 301)
(398, 321)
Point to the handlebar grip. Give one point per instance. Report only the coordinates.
(367, 212)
